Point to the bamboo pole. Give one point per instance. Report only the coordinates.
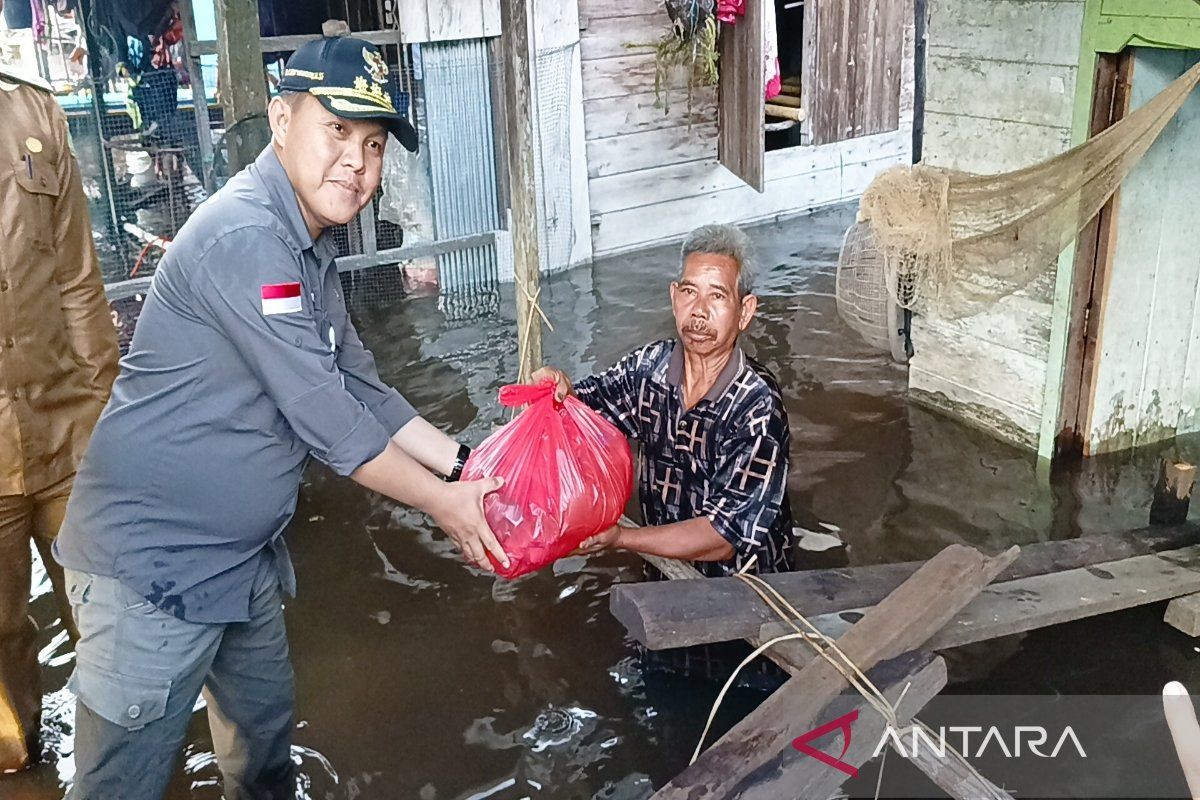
(785, 112)
(786, 100)
(519, 116)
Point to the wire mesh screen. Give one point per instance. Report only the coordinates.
(556, 229)
(462, 167)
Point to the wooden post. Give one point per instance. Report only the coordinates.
(1173, 492)
(519, 116)
(199, 94)
(242, 84)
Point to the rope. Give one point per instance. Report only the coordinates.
(532, 298)
(824, 647)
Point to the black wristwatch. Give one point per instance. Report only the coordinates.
(460, 461)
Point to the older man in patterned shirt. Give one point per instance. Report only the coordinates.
(710, 421)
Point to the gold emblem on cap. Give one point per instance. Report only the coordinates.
(33, 145)
(376, 66)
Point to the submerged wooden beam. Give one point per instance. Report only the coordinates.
(903, 621)
(908, 682)
(948, 774)
(1183, 614)
(1044, 600)
(661, 615)
(791, 655)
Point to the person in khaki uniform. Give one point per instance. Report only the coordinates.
(58, 360)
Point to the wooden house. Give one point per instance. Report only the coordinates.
(1103, 352)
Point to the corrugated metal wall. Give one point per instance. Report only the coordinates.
(458, 108)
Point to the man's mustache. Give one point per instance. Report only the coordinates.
(697, 326)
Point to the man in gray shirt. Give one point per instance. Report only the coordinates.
(243, 364)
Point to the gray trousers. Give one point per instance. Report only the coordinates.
(139, 671)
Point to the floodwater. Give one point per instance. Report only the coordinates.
(420, 678)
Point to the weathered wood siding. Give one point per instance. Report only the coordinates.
(858, 46)
(653, 172)
(445, 20)
(1000, 90)
(1148, 377)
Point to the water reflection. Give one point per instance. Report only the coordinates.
(419, 678)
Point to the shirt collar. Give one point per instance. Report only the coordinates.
(729, 372)
(275, 180)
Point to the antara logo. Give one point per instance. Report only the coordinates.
(910, 741)
(1033, 737)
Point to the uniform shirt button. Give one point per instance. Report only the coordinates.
(16, 394)
(3, 286)
(9, 342)
(134, 711)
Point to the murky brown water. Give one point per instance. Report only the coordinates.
(419, 678)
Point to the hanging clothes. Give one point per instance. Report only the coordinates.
(772, 80)
(730, 11)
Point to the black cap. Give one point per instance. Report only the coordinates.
(351, 80)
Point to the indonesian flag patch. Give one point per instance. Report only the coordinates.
(281, 298)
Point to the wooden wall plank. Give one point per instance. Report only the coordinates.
(740, 97)
(809, 67)
(989, 146)
(461, 20)
(598, 9)
(626, 75)
(414, 20)
(1028, 32)
(491, 18)
(984, 89)
(638, 151)
(555, 23)
(610, 37)
(614, 116)
(908, 56)
(636, 227)
(872, 37)
(896, 21)
(661, 184)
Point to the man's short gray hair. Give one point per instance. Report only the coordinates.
(723, 240)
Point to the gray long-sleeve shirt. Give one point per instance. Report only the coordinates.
(243, 363)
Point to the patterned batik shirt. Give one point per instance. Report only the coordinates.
(725, 459)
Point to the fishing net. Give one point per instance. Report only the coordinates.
(954, 243)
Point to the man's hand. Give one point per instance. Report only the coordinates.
(601, 541)
(459, 512)
(562, 382)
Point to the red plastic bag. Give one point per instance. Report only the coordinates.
(567, 475)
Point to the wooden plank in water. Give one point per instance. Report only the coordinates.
(1044, 600)
(662, 615)
(912, 679)
(792, 655)
(1183, 614)
(903, 621)
(952, 777)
